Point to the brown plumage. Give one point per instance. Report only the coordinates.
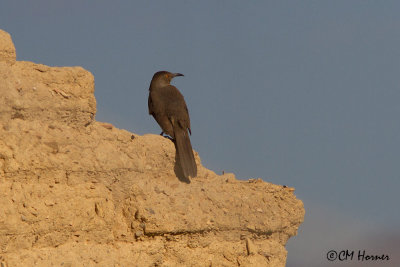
(168, 107)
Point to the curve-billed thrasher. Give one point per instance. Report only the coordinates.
(168, 107)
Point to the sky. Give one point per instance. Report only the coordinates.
(298, 93)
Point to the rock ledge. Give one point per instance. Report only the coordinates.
(77, 192)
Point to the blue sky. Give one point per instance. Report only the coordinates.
(300, 93)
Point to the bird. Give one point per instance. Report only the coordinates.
(168, 107)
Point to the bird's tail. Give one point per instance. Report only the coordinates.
(185, 152)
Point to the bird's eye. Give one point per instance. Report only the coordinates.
(166, 75)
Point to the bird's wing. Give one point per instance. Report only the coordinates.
(150, 104)
(176, 105)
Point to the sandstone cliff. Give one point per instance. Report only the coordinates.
(77, 192)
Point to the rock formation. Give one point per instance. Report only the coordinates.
(77, 192)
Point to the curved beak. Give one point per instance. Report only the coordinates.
(177, 74)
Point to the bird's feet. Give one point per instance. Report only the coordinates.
(167, 136)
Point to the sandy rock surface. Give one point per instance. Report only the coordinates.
(77, 192)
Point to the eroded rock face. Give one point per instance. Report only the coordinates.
(77, 192)
(7, 49)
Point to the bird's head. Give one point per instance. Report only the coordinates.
(163, 78)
